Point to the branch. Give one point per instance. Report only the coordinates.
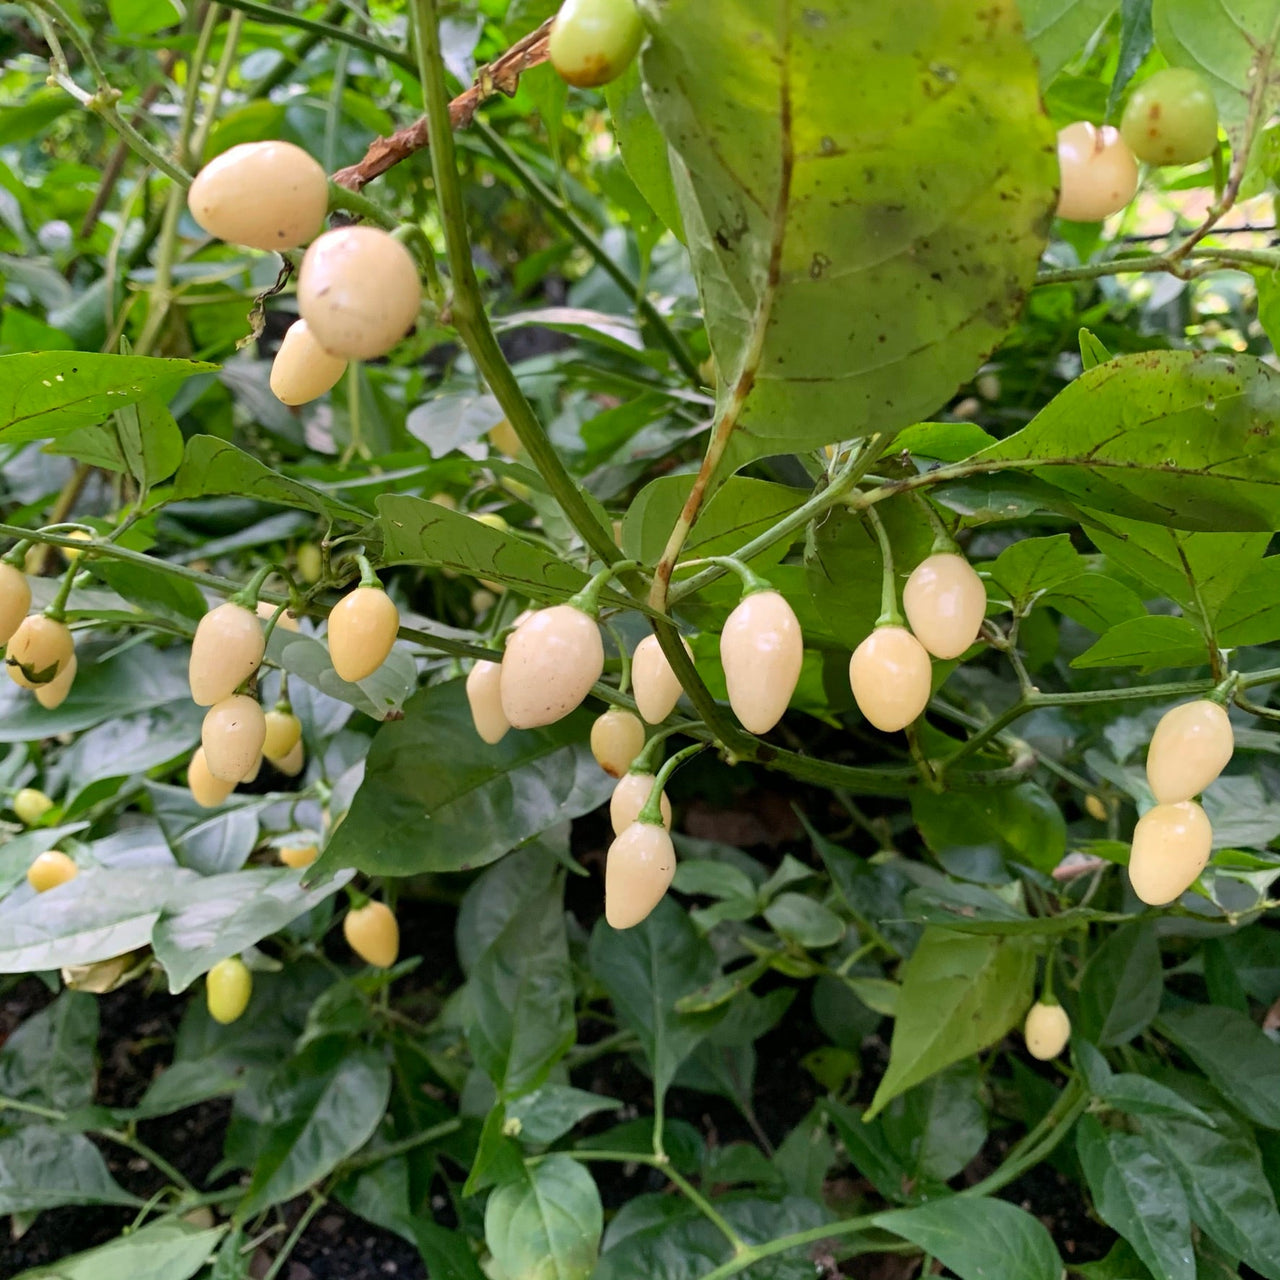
(500, 76)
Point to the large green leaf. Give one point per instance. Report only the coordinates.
(852, 274)
(1139, 1194)
(1154, 643)
(1177, 438)
(645, 971)
(1221, 1171)
(1060, 29)
(522, 996)
(1121, 987)
(547, 1226)
(320, 1107)
(45, 394)
(43, 1168)
(164, 1250)
(974, 833)
(49, 1059)
(960, 994)
(979, 1239)
(1240, 1060)
(210, 465)
(1224, 41)
(437, 798)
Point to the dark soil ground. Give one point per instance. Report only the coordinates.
(137, 1030)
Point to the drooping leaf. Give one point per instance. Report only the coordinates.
(1137, 1193)
(320, 1107)
(646, 970)
(1177, 438)
(548, 1225)
(979, 1238)
(45, 394)
(851, 273)
(960, 993)
(522, 996)
(437, 798)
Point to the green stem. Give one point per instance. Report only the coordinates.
(353, 202)
(247, 598)
(588, 599)
(57, 610)
(371, 1158)
(195, 70)
(889, 614)
(563, 214)
(318, 1202)
(651, 812)
(469, 315)
(321, 30)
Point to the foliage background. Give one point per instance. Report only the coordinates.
(801, 1065)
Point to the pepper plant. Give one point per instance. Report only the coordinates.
(586, 596)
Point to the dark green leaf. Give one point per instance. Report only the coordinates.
(46, 394)
(1238, 1058)
(960, 994)
(474, 803)
(43, 1168)
(979, 1238)
(1136, 39)
(939, 1126)
(321, 1106)
(644, 149)
(1033, 565)
(1150, 644)
(1059, 29)
(551, 1111)
(1095, 601)
(1121, 986)
(1172, 437)
(976, 832)
(48, 1059)
(646, 970)
(154, 591)
(522, 997)
(1136, 1192)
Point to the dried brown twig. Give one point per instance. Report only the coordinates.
(500, 76)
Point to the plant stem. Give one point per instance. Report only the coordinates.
(889, 615)
(469, 315)
(318, 1202)
(371, 1158)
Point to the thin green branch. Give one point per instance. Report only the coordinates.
(469, 316)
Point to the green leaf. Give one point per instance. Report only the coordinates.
(851, 273)
(1060, 29)
(48, 1059)
(645, 971)
(143, 17)
(322, 1105)
(550, 1112)
(42, 1168)
(643, 148)
(1092, 349)
(1121, 986)
(210, 466)
(165, 1250)
(1139, 1195)
(447, 1253)
(522, 997)
(1221, 1171)
(548, 1225)
(100, 914)
(975, 833)
(153, 590)
(226, 914)
(1033, 565)
(141, 439)
(474, 803)
(1222, 42)
(1136, 40)
(377, 695)
(939, 1126)
(419, 532)
(1199, 571)
(1095, 601)
(1153, 643)
(46, 394)
(978, 1238)
(869, 1150)
(1238, 1058)
(1251, 613)
(797, 918)
(1139, 1096)
(1177, 438)
(959, 995)
(740, 509)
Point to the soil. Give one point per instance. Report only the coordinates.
(137, 1029)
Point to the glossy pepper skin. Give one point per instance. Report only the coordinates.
(761, 650)
(1171, 118)
(51, 869)
(1191, 746)
(232, 736)
(945, 602)
(640, 866)
(891, 677)
(628, 799)
(228, 988)
(228, 648)
(593, 41)
(372, 933)
(1171, 847)
(654, 684)
(551, 661)
(15, 600)
(1098, 172)
(362, 632)
(617, 738)
(484, 696)
(38, 652)
(1046, 1030)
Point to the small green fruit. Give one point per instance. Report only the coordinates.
(594, 41)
